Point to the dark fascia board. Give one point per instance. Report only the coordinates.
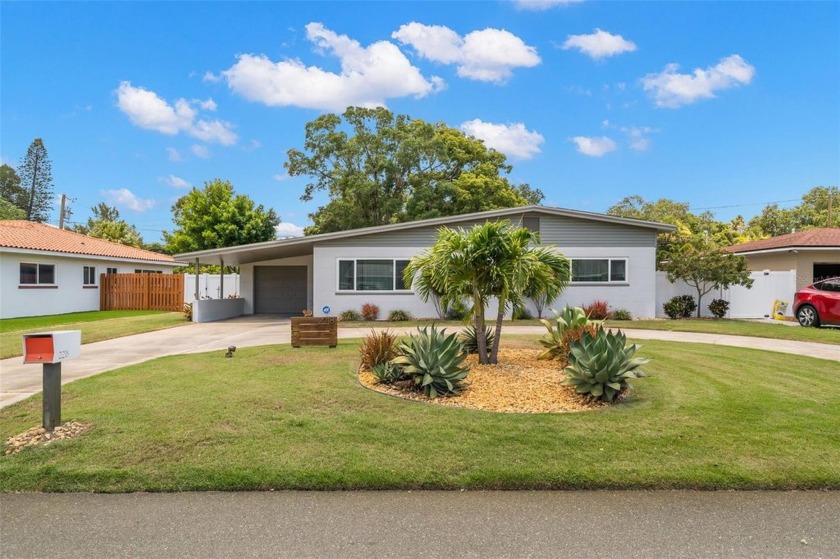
(437, 221)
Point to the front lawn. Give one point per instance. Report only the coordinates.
(95, 326)
(709, 417)
(750, 328)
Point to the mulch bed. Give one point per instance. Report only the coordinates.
(39, 436)
(520, 383)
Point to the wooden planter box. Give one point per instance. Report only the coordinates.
(310, 330)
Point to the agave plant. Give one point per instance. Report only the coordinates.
(601, 365)
(433, 360)
(469, 340)
(386, 373)
(568, 327)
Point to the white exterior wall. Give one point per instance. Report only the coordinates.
(638, 294)
(246, 278)
(68, 295)
(209, 286)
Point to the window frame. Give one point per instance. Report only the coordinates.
(355, 289)
(88, 271)
(610, 281)
(38, 281)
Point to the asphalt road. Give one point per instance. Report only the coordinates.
(625, 524)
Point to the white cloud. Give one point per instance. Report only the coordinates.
(147, 110)
(200, 151)
(210, 77)
(369, 75)
(594, 147)
(124, 198)
(599, 44)
(488, 55)
(541, 5)
(252, 145)
(285, 230)
(208, 105)
(174, 182)
(174, 154)
(672, 89)
(637, 137)
(514, 140)
(280, 177)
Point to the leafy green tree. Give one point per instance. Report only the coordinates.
(160, 248)
(215, 216)
(105, 223)
(379, 168)
(11, 190)
(705, 266)
(487, 261)
(35, 174)
(811, 212)
(10, 211)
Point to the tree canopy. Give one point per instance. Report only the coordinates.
(35, 174)
(105, 223)
(811, 212)
(215, 217)
(12, 192)
(379, 168)
(490, 260)
(10, 211)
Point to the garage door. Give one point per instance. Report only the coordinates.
(279, 289)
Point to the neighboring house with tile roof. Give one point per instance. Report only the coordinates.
(46, 270)
(814, 254)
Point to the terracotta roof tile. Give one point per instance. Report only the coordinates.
(39, 236)
(820, 237)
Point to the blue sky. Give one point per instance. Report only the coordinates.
(722, 105)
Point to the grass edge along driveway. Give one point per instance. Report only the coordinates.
(95, 326)
(707, 417)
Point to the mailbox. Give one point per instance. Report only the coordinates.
(51, 347)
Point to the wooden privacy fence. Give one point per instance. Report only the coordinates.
(141, 292)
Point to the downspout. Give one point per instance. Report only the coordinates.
(222, 278)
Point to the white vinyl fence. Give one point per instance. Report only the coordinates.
(756, 302)
(209, 286)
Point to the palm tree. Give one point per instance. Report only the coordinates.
(490, 260)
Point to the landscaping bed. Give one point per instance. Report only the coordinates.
(519, 383)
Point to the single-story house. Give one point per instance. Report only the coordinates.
(46, 270)
(814, 254)
(613, 259)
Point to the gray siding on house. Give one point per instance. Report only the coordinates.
(554, 230)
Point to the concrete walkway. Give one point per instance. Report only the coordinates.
(18, 381)
(404, 524)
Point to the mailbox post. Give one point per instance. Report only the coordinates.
(51, 349)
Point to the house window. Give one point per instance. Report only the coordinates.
(37, 274)
(600, 270)
(148, 272)
(89, 273)
(110, 270)
(383, 274)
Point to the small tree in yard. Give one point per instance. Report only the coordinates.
(490, 260)
(705, 267)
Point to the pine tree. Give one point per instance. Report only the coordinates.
(35, 174)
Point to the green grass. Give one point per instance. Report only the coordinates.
(736, 328)
(708, 417)
(95, 326)
(731, 327)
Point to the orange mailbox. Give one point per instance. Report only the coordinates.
(51, 347)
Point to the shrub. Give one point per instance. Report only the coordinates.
(398, 315)
(600, 365)
(719, 307)
(680, 306)
(387, 373)
(350, 315)
(370, 311)
(622, 314)
(457, 310)
(378, 348)
(433, 361)
(521, 313)
(469, 340)
(597, 310)
(568, 327)
(188, 311)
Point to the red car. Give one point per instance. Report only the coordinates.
(819, 303)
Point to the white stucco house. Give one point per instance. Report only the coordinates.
(613, 259)
(46, 270)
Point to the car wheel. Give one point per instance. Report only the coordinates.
(807, 316)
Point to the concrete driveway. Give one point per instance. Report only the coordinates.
(18, 381)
